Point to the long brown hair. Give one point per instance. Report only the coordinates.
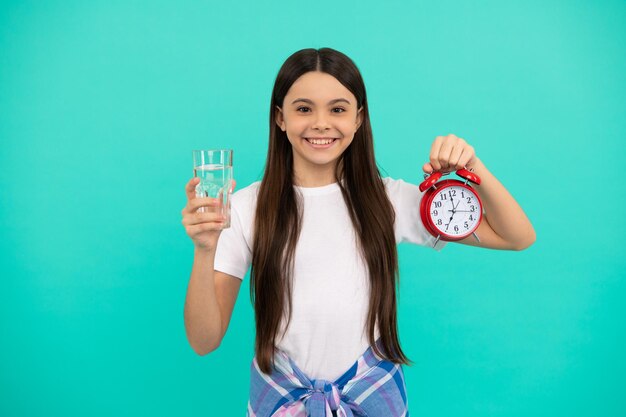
(278, 216)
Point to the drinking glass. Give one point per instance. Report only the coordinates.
(214, 167)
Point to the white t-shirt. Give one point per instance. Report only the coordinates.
(330, 286)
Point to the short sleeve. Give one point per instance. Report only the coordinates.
(233, 254)
(406, 199)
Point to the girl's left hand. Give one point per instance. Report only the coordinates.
(449, 153)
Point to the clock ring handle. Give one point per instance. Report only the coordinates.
(430, 180)
(468, 175)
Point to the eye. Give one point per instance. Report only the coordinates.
(340, 108)
(300, 108)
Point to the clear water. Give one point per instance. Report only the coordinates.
(215, 182)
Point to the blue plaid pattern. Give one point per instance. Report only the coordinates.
(372, 387)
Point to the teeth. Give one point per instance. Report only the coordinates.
(320, 141)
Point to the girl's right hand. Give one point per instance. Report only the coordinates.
(203, 228)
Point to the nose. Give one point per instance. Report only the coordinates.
(320, 122)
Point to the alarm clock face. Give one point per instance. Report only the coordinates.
(455, 211)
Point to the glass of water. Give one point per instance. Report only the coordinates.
(214, 167)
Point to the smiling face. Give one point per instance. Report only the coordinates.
(320, 117)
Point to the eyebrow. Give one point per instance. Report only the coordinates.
(306, 100)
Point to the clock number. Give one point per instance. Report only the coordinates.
(469, 200)
(439, 222)
(435, 213)
(452, 193)
(466, 226)
(437, 204)
(471, 218)
(456, 228)
(444, 196)
(472, 208)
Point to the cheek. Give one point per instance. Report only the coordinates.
(347, 129)
(296, 129)
(295, 134)
(348, 126)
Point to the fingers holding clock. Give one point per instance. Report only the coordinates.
(448, 145)
(465, 154)
(449, 153)
(467, 157)
(435, 149)
(455, 157)
(427, 168)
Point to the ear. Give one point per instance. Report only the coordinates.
(359, 118)
(280, 120)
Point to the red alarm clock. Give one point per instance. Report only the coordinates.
(451, 209)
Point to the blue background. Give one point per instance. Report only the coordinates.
(101, 103)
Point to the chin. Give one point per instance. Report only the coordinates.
(320, 160)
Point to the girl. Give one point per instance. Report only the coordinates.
(319, 233)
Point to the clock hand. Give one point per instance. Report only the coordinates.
(454, 210)
(449, 221)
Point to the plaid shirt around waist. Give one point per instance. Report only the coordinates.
(372, 387)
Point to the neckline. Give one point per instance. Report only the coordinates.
(324, 189)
